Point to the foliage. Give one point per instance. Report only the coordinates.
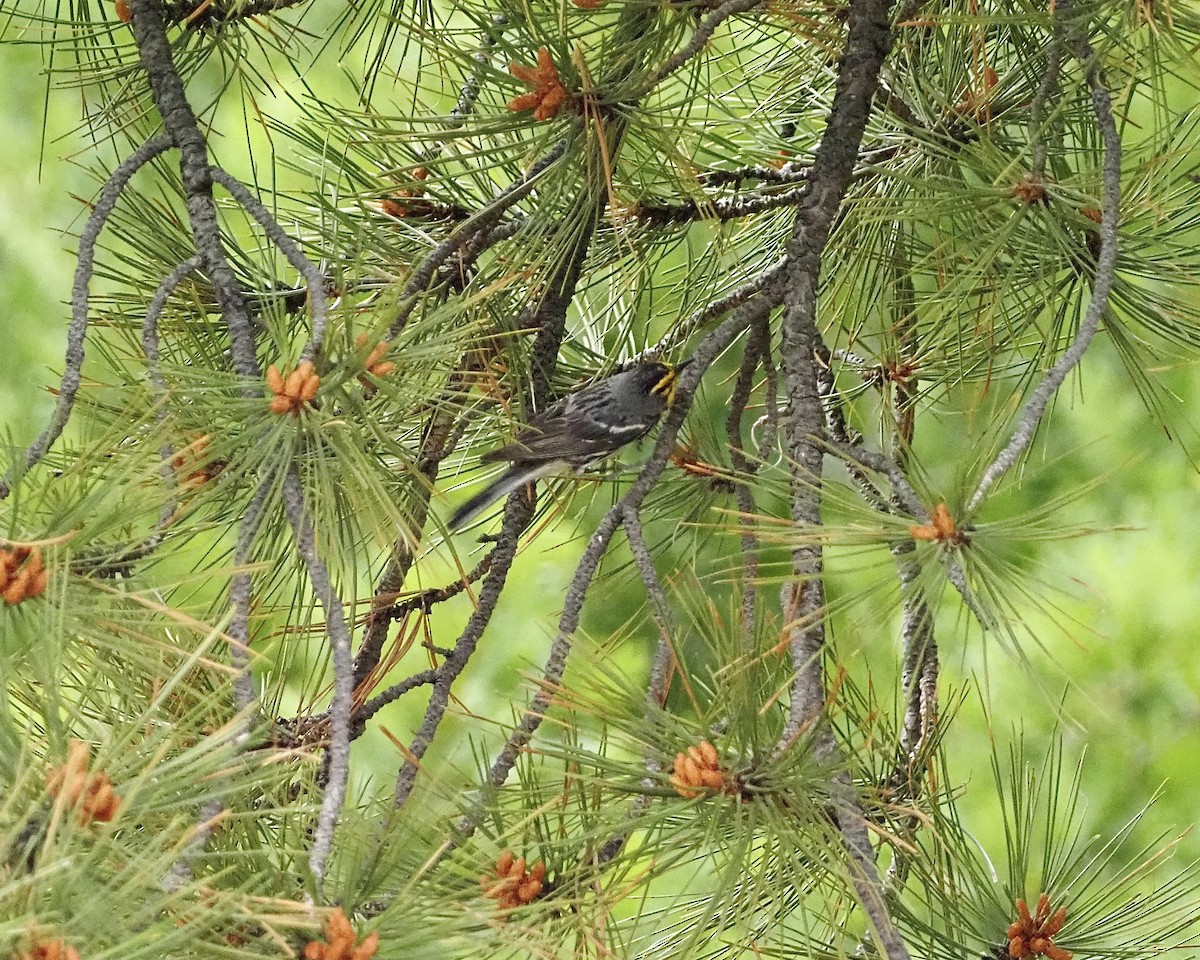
(328, 263)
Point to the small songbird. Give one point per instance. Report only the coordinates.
(579, 430)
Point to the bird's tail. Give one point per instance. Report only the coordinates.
(511, 479)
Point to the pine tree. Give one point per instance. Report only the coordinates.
(336, 254)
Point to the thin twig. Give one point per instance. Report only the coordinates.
(920, 655)
(659, 608)
(464, 106)
(181, 874)
(738, 400)
(699, 40)
(517, 513)
(844, 437)
(77, 332)
(318, 299)
(723, 209)
(437, 443)
(336, 628)
(903, 494)
(1047, 88)
(764, 285)
(244, 693)
(392, 694)
(480, 222)
(111, 561)
(788, 173)
(1106, 264)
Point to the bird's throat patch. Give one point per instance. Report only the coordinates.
(666, 385)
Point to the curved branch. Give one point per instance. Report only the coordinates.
(1106, 265)
(338, 755)
(660, 608)
(73, 369)
(317, 297)
(482, 221)
(699, 40)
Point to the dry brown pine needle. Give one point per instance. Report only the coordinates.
(294, 391)
(512, 885)
(91, 795)
(339, 941)
(21, 574)
(1032, 936)
(698, 771)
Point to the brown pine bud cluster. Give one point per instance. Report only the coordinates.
(1029, 191)
(91, 795)
(699, 770)
(942, 530)
(395, 206)
(339, 941)
(375, 365)
(121, 8)
(191, 469)
(48, 950)
(295, 391)
(1031, 936)
(512, 885)
(21, 574)
(548, 94)
(977, 102)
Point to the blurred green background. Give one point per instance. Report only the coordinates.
(1125, 667)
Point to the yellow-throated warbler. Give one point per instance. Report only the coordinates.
(579, 430)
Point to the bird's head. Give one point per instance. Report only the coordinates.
(662, 379)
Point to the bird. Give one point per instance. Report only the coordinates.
(580, 430)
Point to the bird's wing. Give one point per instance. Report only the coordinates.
(568, 430)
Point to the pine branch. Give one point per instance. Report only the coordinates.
(240, 596)
(698, 41)
(480, 223)
(77, 333)
(518, 512)
(338, 751)
(1102, 283)
(758, 347)
(196, 174)
(318, 300)
(436, 444)
(867, 44)
(659, 607)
